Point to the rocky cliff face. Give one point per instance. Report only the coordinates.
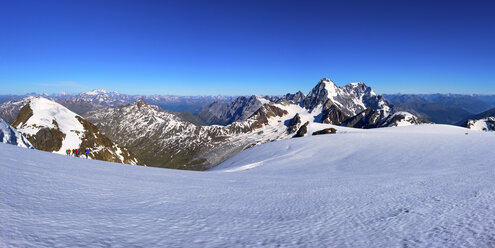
(53, 128)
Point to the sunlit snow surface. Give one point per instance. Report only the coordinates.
(415, 186)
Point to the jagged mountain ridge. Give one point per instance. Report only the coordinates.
(332, 104)
(51, 127)
(162, 139)
(224, 113)
(442, 108)
(10, 135)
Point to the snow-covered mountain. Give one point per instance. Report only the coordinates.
(160, 138)
(51, 127)
(349, 100)
(352, 105)
(415, 186)
(224, 113)
(484, 121)
(485, 124)
(9, 135)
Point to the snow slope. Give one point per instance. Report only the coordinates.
(485, 124)
(414, 186)
(9, 135)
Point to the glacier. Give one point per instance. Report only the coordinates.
(413, 186)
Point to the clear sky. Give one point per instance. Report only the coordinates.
(246, 47)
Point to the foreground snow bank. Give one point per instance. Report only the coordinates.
(419, 186)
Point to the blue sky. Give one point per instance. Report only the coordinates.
(246, 47)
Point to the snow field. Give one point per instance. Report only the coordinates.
(415, 186)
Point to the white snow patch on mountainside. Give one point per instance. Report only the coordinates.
(485, 124)
(408, 119)
(9, 135)
(415, 186)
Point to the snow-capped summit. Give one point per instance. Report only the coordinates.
(11, 136)
(52, 127)
(95, 92)
(350, 99)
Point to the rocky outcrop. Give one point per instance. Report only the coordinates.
(302, 130)
(266, 112)
(325, 131)
(367, 119)
(294, 124)
(332, 114)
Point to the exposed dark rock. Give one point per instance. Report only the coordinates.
(47, 139)
(294, 124)
(333, 115)
(24, 114)
(367, 119)
(302, 130)
(265, 112)
(318, 95)
(325, 131)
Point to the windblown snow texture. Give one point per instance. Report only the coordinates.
(414, 186)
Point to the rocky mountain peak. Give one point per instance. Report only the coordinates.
(140, 103)
(320, 93)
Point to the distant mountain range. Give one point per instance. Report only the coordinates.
(160, 131)
(96, 99)
(442, 108)
(484, 121)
